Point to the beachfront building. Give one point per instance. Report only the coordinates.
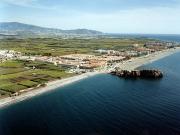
(93, 63)
(81, 61)
(157, 45)
(89, 62)
(112, 59)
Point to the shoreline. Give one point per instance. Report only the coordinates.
(131, 64)
(49, 87)
(134, 63)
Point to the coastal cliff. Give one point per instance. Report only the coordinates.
(138, 74)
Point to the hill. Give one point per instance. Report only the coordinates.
(20, 29)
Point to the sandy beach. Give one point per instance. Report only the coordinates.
(126, 65)
(134, 63)
(50, 86)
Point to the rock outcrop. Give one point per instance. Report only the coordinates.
(138, 74)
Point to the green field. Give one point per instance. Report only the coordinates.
(16, 75)
(57, 47)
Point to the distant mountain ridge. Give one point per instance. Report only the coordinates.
(16, 28)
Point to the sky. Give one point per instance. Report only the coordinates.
(111, 16)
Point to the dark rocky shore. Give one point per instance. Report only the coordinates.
(138, 74)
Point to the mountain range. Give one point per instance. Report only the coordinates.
(21, 29)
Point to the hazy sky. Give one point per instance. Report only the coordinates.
(115, 16)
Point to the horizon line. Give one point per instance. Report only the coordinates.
(115, 33)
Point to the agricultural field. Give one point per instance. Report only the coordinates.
(58, 46)
(16, 75)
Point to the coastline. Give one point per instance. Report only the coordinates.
(127, 65)
(134, 63)
(49, 87)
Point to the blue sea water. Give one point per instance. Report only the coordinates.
(163, 37)
(102, 105)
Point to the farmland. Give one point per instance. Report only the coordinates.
(16, 75)
(58, 46)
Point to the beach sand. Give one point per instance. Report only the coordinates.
(50, 86)
(126, 65)
(134, 63)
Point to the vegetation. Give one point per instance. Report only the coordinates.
(16, 75)
(58, 46)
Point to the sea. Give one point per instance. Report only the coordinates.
(162, 37)
(102, 105)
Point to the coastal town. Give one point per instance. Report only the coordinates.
(35, 74)
(81, 63)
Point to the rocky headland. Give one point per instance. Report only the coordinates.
(138, 74)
